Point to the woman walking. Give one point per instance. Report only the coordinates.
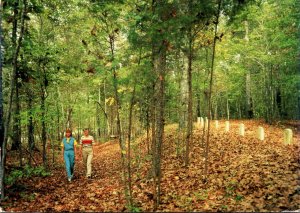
(68, 152)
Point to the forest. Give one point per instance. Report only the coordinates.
(193, 105)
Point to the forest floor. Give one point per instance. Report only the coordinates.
(245, 174)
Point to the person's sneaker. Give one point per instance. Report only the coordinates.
(69, 179)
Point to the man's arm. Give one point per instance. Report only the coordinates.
(74, 147)
(62, 150)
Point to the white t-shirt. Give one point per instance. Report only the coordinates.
(87, 140)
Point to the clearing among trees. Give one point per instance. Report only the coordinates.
(245, 174)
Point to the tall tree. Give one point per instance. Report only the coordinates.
(194, 19)
(1, 106)
(12, 87)
(216, 22)
(160, 44)
(16, 144)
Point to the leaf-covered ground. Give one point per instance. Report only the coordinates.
(245, 174)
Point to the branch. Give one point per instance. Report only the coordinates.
(102, 109)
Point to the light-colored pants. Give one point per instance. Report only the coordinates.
(87, 153)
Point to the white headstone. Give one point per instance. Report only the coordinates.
(226, 126)
(201, 122)
(260, 133)
(217, 124)
(288, 136)
(198, 122)
(242, 130)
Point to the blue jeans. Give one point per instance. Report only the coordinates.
(69, 157)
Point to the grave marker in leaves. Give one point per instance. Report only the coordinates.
(242, 130)
(260, 133)
(217, 124)
(288, 136)
(226, 126)
(201, 122)
(198, 122)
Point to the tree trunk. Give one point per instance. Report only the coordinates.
(126, 183)
(58, 121)
(44, 136)
(198, 105)
(249, 108)
(182, 84)
(31, 144)
(129, 146)
(69, 118)
(216, 111)
(98, 114)
(210, 90)
(1, 109)
(107, 126)
(11, 93)
(43, 97)
(160, 67)
(148, 130)
(227, 107)
(189, 135)
(16, 145)
(16, 115)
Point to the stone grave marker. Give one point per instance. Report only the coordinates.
(226, 126)
(242, 130)
(288, 136)
(217, 124)
(260, 133)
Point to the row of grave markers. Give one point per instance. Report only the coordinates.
(287, 133)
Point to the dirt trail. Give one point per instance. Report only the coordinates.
(101, 193)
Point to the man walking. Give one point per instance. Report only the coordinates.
(86, 143)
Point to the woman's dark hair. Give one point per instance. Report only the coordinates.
(69, 131)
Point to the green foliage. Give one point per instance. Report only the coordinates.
(134, 209)
(224, 207)
(203, 195)
(14, 176)
(29, 197)
(26, 172)
(238, 197)
(262, 42)
(230, 189)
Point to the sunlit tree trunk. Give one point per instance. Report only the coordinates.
(227, 108)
